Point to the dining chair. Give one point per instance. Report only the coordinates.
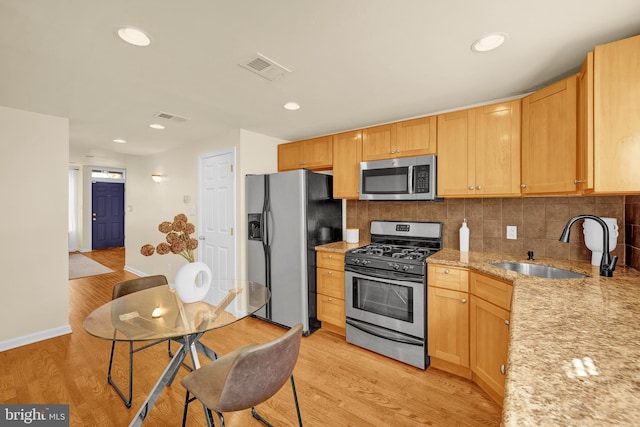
(119, 290)
(245, 377)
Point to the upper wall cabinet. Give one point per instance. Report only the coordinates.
(616, 117)
(479, 151)
(549, 142)
(415, 137)
(313, 154)
(347, 155)
(585, 126)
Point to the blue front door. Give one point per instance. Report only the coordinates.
(107, 215)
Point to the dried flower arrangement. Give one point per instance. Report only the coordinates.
(178, 240)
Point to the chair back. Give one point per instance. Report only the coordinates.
(259, 371)
(134, 285)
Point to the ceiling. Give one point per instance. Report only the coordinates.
(354, 63)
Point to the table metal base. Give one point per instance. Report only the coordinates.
(190, 344)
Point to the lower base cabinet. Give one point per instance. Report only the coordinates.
(469, 339)
(330, 290)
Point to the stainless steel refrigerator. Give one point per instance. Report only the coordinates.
(288, 214)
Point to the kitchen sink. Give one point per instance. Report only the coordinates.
(539, 270)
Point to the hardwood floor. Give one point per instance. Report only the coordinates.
(338, 384)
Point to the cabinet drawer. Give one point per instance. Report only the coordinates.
(330, 260)
(492, 290)
(330, 282)
(331, 310)
(453, 278)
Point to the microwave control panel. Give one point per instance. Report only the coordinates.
(421, 178)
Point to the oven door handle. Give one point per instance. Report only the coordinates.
(384, 334)
(390, 275)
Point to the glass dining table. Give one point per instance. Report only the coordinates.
(158, 313)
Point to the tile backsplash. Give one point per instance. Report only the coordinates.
(539, 222)
(632, 231)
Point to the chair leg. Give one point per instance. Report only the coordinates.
(127, 401)
(295, 398)
(208, 414)
(186, 408)
(259, 417)
(220, 417)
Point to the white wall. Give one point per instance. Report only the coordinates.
(152, 203)
(34, 176)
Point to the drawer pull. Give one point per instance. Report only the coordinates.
(329, 272)
(446, 271)
(502, 369)
(464, 300)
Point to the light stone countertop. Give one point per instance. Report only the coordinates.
(340, 247)
(574, 344)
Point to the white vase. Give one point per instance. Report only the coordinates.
(193, 281)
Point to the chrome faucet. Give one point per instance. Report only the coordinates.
(606, 264)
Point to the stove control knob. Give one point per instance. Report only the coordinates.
(405, 267)
(356, 261)
(396, 267)
(365, 262)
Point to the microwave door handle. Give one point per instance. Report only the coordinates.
(410, 184)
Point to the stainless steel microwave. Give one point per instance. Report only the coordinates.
(408, 178)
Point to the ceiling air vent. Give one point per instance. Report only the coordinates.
(172, 117)
(265, 67)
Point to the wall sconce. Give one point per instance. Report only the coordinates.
(156, 178)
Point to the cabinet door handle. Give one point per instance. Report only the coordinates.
(471, 187)
(479, 187)
(329, 272)
(464, 300)
(506, 322)
(329, 299)
(446, 271)
(578, 181)
(502, 369)
(523, 185)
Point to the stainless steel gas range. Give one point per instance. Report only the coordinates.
(385, 290)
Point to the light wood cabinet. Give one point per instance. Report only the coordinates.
(330, 291)
(408, 138)
(479, 151)
(347, 155)
(616, 124)
(549, 140)
(448, 319)
(416, 137)
(489, 332)
(585, 125)
(312, 154)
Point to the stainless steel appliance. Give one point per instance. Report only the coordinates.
(385, 290)
(408, 178)
(289, 213)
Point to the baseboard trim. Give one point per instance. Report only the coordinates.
(32, 338)
(135, 271)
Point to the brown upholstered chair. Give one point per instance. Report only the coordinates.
(245, 377)
(119, 290)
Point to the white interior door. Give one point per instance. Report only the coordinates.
(217, 246)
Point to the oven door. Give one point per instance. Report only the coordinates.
(397, 304)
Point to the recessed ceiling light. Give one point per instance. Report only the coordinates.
(134, 36)
(291, 106)
(489, 42)
(156, 126)
(120, 141)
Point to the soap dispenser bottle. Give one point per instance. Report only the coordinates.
(464, 237)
